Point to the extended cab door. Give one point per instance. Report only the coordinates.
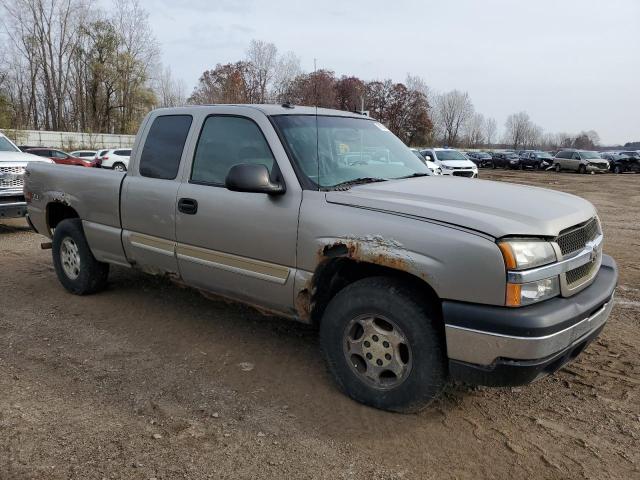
(238, 244)
(148, 199)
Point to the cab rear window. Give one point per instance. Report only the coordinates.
(164, 145)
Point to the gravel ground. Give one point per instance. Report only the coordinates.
(149, 380)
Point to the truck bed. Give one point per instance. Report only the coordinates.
(92, 192)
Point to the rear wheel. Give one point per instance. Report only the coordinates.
(76, 267)
(119, 167)
(383, 346)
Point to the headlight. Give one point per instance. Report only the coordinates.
(520, 294)
(523, 254)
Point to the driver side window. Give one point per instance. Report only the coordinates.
(226, 141)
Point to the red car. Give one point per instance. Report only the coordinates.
(62, 158)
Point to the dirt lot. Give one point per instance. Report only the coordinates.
(147, 380)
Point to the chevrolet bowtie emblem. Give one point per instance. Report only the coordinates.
(593, 253)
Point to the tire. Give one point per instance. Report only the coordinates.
(493, 165)
(422, 357)
(582, 169)
(558, 168)
(617, 169)
(77, 269)
(119, 167)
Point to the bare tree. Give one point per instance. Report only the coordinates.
(516, 127)
(262, 60)
(287, 69)
(451, 111)
(490, 130)
(44, 33)
(137, 53)
(475, 130)
(170, 92)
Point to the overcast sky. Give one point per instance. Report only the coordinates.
(571, 64)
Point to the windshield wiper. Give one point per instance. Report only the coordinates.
(356, 181)
(413, 175)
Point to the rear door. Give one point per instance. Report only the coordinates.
(241, 245)
(148, 200)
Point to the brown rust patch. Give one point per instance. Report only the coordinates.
(303, 304)
(370, 249)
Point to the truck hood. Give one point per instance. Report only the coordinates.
(20, 159)
(495, 208)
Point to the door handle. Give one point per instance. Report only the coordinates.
(188, 206)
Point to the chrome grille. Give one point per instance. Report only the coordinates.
(575, 238)
(468, 173)
(11, 177)
(578, 275)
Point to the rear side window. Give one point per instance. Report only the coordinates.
(163, 146)
(226, 141)
(123, 153)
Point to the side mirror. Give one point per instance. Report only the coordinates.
(253, 178)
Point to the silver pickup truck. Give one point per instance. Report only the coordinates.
(12, 165)
(326, 217)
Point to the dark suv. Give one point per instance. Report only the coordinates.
(535, 159)
(505, 160)
(621, 162)
(481, 159)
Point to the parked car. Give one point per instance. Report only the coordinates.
(620, 163)
(452, 162)
(630, 154)
(116, 159)
(581, 161)
(411, 279)
(505, 160)
(481, 159)
(83, 153)
(536, 159)
(12, 165)
(435, 169)
(62, 158)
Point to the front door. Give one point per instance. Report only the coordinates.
(241, 245)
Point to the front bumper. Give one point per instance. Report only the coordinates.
(14, 209)
(496, 346)
(602, 168)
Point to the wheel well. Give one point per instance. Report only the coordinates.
(57, 211)
(335, 274)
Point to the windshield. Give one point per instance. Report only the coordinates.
(450, 155)
(333, 150)
(7, 146)
(590, 155)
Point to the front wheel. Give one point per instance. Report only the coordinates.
(582, 169)
(77, 269)
(558, 167)
(617, 169)
(383, 346)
